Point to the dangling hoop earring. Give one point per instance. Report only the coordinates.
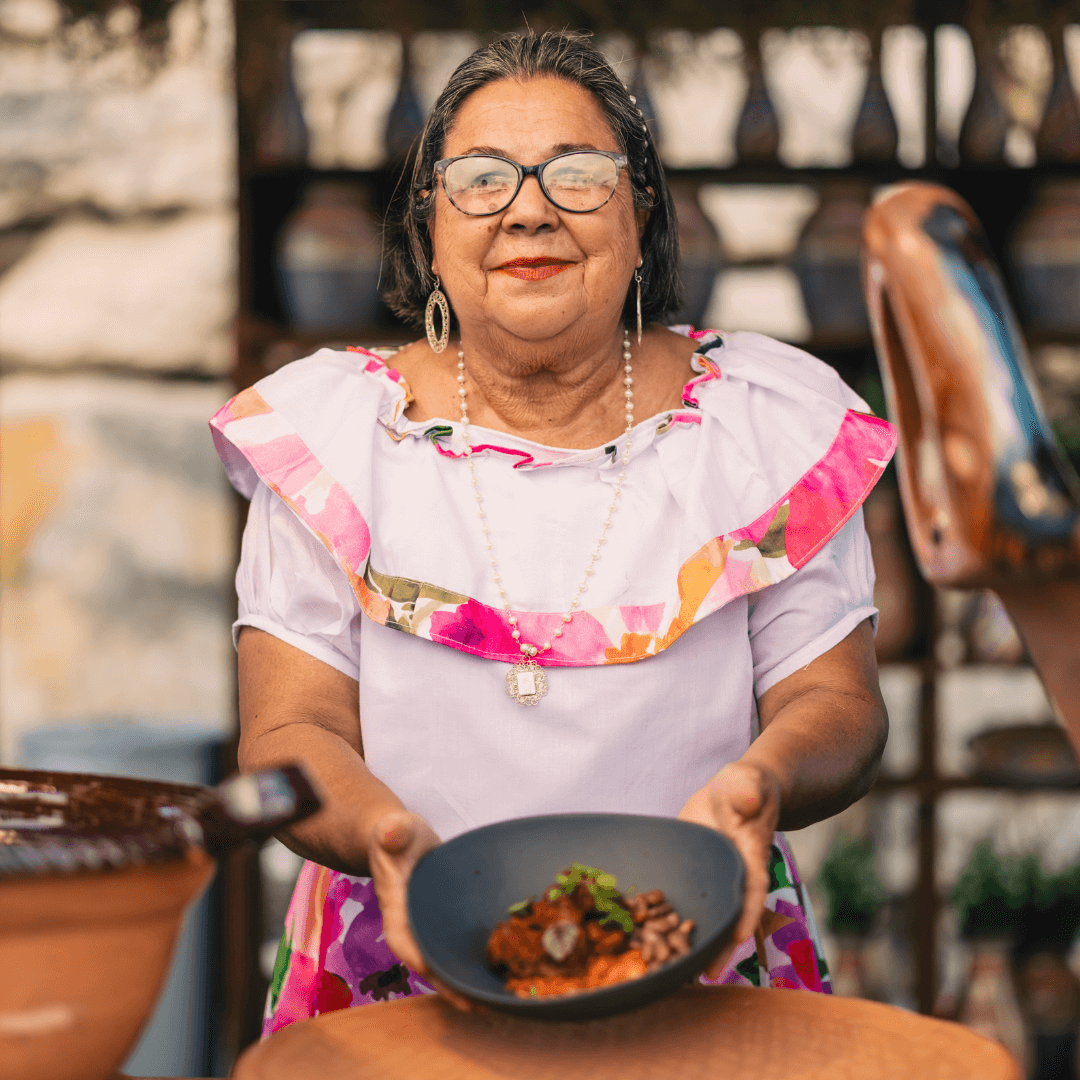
(437, 300)
(637, 278)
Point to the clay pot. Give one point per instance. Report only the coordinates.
(95, 876)
(986, 125)
(848, 976)
(757, 136)
(700, 256)
(894, 589)
(826, 262)
(1058, 138)
(85, 958)
(1036, 754)
(405, 121)
(1046, 256)
(875, 136)
(328, 259)
(1050, 1002)
(989, 1004)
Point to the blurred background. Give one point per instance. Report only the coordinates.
(190, 197)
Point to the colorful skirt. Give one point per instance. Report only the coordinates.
(333, 954)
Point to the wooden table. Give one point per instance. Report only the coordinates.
(723, 1033)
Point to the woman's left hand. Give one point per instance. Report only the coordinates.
(742, 801)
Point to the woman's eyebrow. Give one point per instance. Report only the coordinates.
(561, 148)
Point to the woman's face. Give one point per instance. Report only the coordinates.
(594, 254)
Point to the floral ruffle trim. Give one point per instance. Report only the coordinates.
(743, 561)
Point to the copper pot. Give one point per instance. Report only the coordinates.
(95, 876)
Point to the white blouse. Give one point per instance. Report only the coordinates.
(737, 556)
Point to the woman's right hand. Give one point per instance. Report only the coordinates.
(395, 844)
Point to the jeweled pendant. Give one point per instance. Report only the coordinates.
(526, 682)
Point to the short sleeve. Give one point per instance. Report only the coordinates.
(795, 621)
(289, 585)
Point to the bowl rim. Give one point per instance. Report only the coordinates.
(693, 963)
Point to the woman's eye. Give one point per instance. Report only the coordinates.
(488, 180)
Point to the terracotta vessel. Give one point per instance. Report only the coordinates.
(699, 1033)
(1045, 250)
(986, 125)
(1058, 138)
(95, 876)
(328, 256)
(757, 136)
(990, 499)
(989, 1004)
(405, 121)
(700, 255)
(875, 136)
(826, 262)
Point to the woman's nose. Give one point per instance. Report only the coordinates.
(530, 211)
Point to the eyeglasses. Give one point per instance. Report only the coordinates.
(578, 182)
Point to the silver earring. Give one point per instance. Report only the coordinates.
(637, 278)
(437, 300)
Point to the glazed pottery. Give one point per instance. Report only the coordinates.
(990, 499)
(847, 975)
(700, 257)
(699, 1033)
(757, 135)
(1049, 994)
(875, 136)
(84, 959)
(1058, 138)
(328, 259)
(986, 124)
(988, 1004)
(826, 262)
(405, 121)
(1025, 754)
(281, 135)
(1045, 253)
(95, 876)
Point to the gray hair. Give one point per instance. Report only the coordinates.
(555, 53)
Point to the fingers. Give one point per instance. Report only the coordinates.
(742, 788)
(395, 831)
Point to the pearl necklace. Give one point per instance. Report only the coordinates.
(526, 682)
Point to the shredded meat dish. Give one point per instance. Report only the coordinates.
(583, 934)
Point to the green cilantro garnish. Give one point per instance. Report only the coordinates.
(514, 909)
(532, 990)
(602, 887)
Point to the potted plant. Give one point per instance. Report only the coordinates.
(990, 897)
(854, 896)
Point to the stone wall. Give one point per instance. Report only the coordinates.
(117, 272)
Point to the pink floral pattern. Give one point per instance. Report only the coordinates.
(743, 561)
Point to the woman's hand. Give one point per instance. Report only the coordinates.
(395, 844)
(741, 801)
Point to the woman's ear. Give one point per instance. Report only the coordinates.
(643, 213)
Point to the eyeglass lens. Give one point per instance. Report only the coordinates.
(486, 185)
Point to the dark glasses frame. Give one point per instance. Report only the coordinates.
(531, 170)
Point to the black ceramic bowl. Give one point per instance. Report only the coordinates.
(461, 889)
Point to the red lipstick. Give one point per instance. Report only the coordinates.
(535, 269)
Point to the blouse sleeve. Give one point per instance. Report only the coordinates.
(289, 585)
(795, 621)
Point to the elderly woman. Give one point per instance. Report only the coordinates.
(555, 560)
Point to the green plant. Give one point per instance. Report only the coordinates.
(993, 890)
(852, 888)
